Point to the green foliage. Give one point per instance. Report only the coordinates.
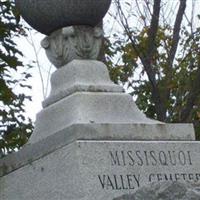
(15, 128)
(176, 92)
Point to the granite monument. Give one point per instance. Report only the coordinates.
(90, 139)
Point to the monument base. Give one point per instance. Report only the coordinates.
(101, 169)
(91, 141)
(83, 94)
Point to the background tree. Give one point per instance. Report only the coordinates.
(153, 53)
(159, 51)
(15, 128)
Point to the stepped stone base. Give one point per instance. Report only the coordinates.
(82, 93)
(91, 141)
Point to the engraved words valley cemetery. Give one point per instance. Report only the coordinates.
(131, 168)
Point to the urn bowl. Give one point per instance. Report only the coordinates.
(47, 16)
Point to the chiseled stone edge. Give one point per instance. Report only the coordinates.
(32, 152)
(81, 88)
(80, 76)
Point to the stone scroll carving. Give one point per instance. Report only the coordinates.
(165, 191)
(74, 42)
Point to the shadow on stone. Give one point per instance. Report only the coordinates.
(165, 191)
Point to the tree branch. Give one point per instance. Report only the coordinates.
(192, 96)
(173, 49)
(148, 61)
(176, 31)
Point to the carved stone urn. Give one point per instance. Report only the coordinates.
(46, 16)
(70, 26)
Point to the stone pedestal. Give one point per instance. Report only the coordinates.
(83, 94)
(91, 141)
(100, 169)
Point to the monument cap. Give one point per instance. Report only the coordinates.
(46, 16)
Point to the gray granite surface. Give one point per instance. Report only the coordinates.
(82, 93)
(102, 170)
(90, 140)
(80, 76)
(46, 16)
(109, 132)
